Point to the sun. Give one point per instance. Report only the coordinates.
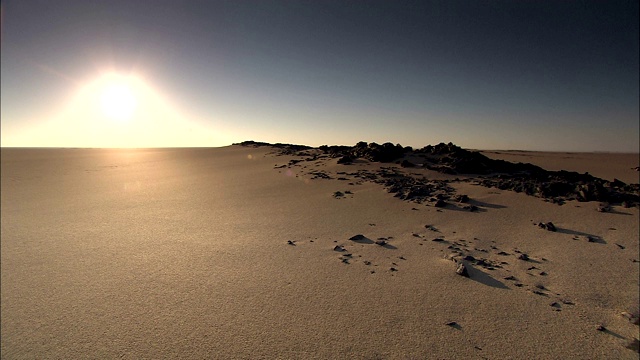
(118, 100)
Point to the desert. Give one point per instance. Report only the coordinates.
(369, 251)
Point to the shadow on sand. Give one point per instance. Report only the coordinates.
(487, 205)
(483, 278)
(592, 238)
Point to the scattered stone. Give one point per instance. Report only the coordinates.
(452, 323)
(567, 302)
(338, 248)
(338, 194)
(469, 258)
(503, 253)
(543, 273)
(523, 257)
(601, 328)
(518, 284)
(592, 239)
(438, 240)
(462, 198)
(358, 237)
(366, 262)
(604, 208)
(555, 304)
(620, 246)
(471, 208)
(381, 242)
(511, 277)
(635, 319)
(440, 203)
(537, 292)
(547, 226)
(346, 160)
(462, 270)
(291, 242)
(393, 269)
(345, 260)
(484, 263)
(431, 227)
(407, 164)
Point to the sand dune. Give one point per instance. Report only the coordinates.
(246, 252)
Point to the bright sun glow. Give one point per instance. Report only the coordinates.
(120, 110)
(117, 99)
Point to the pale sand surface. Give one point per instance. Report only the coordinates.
(182, 253)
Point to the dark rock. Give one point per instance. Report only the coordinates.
(438, 240)
(338, 248)
(452, 323)
(338, 194)
(440, 203)
(523, 257)
(601, 328)
(462, 270)
(547, 226)
(469, 258)
(393, 269)
(592, 239)
(483, 263)
(381, 242)
(407, 164)
(633, 318)
(346, 160)
(604, 208)
(620, 246)
(462, 198)
(290, 242)
(511, 277)
(358, 237)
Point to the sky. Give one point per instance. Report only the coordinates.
(528, 75)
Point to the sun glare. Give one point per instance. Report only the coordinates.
(120, 110)
(117, 99)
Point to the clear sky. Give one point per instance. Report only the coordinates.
(535, 75)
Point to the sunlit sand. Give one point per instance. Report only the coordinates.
(242, 252)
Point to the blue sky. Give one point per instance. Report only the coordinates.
(552, 75)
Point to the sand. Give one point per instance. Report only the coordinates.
(219, 253)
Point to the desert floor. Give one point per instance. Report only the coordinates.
(225, 253)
